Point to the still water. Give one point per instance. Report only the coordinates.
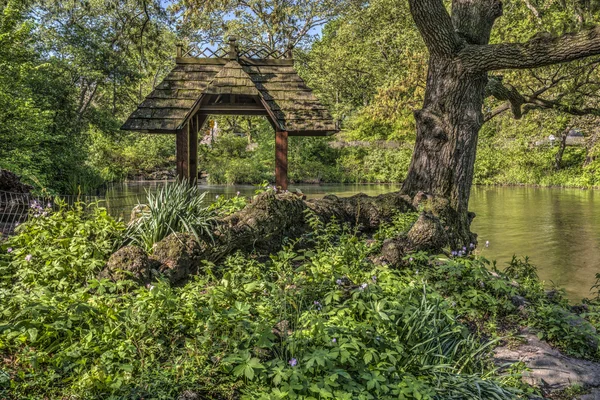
(559, 229)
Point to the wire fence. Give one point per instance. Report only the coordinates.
(16, 208)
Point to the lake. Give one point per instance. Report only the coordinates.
(559, 229)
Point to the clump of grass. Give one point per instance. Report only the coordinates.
(175, 208)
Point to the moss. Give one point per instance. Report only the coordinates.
(130, 262)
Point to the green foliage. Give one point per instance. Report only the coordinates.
(225, 206)
(379, 165)
(400, 224)
(175, 208)
(60, 249)
(65, 87)
(500, 302)
(321, 322)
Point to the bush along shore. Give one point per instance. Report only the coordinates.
(272, 298)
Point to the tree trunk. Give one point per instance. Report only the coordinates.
(449, 123)
(447, 129)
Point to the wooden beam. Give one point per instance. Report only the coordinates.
(196, 124)
(281, 159)
(244, 61)
(193, 150)
(240, 108)
(271, 117)
(182, 149)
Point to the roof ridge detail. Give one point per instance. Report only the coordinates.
(232, 79)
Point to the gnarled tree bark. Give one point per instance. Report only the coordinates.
(449, 122)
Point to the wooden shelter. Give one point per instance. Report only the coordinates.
(231, 82)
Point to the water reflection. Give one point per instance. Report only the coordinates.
(559, 229)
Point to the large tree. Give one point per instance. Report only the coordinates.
(271, 24)
(461, 58)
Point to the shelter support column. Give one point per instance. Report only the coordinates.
(187, 149)
(193, 152)
(281, 159)
(183, 151)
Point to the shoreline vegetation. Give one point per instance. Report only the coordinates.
(166, 308)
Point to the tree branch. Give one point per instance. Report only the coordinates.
(435, 25)
(540, 51)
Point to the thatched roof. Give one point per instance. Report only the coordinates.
(268, 87)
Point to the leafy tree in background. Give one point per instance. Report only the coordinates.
(71, 72)
(369, 67)
(273, 24)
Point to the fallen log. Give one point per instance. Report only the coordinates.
(271, 218)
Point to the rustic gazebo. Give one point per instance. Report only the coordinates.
(231, 82)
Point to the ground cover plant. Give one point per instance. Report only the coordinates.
(317, 321)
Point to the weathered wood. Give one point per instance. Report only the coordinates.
(290, 104)
(270, 218)
(182, 149)
(182, 101)
(281, 160)
(149, 125)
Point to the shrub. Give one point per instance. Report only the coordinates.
(174, 208)
(317, 321)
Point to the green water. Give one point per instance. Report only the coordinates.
(559, 229)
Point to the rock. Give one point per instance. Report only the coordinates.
(427, 234)
(179, 256)
(11, 182)
(129, 262)
(548, 368)
(581, 324)
(392, 252)
(519, 301)
(162, 175)
(189, 395)
(594, 394)
(553, 295)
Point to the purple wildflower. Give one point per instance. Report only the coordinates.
(334, 340)
(28, 257)
(9, 250)
(411, 259)
(472, 245)
(293, 362)
(338, 282)
(363, 286)
(454, 253)
(374, 278)
(238, 193)
(464, 249)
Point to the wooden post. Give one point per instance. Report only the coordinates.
(233, 51)
(182, 149)
(193, 152)
(281, 160)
